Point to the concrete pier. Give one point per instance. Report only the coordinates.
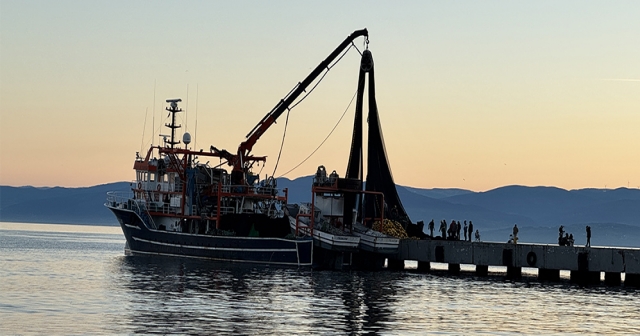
(612, 279)
(586, 264)
(482, 270)
(395, 264)
(548, 274)
(424, 266)
(514, 272)
(632, 280)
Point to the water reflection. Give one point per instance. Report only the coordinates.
(82, 284)
(167, 295)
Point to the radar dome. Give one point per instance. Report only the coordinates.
(186, 138)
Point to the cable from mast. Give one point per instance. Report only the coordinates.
(300, 101)
(323, 141)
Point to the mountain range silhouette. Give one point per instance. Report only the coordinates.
(613, 214)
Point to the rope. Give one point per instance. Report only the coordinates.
(284, 134)
(325, 139)
(359, 52)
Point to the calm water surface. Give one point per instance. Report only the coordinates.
(68, 279)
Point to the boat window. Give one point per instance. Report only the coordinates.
(152, 177)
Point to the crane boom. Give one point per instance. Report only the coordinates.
(245, 147)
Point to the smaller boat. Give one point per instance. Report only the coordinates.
(332, 220)
(375, 241)
(325, 234)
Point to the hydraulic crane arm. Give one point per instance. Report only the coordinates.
(255, 134)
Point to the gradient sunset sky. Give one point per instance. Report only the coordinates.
(471, 94)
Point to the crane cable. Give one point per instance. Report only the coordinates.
(325, 139)
(284, 134)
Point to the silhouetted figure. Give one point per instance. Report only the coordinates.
(515, 234)
(477, 235)
(470, 229)
(510, 241)
(443, 228)
(560, 232)
(458, 228)
(570, 240)
(431, 226)
(452, 229)
(588, 236)
(465, 230)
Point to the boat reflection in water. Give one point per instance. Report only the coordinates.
(167, 295)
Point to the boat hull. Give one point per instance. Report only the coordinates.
(328, 241)
(142, 240)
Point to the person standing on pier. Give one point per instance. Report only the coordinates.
(588, 236)
(458, 228)
(471, 231)
(431, 225)
(443, 228)
(477, 235)
(452, 230)
(465, 230)
(515, 234)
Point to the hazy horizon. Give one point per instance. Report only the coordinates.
(471, 95)
(291, 179)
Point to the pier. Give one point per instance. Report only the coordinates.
(586, 264)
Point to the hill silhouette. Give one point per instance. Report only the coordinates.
(613, 214)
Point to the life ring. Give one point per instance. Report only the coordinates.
(159, 187)
(532, 259)
(139, 185)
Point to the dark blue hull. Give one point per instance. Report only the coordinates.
(262, 250)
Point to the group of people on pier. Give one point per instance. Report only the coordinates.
(453, 232)
(455, 228)
(564, 238)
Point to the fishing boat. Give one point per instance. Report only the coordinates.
(179, 206)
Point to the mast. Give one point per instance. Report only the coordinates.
(173, 109)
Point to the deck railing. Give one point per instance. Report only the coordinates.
(125, 200)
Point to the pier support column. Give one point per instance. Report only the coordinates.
(454, 268)
(424, 266)
(482, 270)
(612, 278)
(514, 272)
(632, 280)
(545, 274)
(585, 277)
(395, 264)
(365, 261)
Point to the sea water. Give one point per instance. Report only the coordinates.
(72, 279)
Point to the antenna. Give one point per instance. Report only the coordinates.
(186, 110)
(153, 113)
(195, 133)
(143, 128)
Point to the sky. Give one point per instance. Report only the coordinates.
(471, 94)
